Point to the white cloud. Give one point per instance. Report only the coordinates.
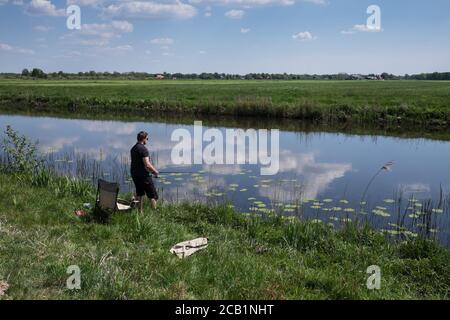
(208, 12)
(125, 129)
(359, 28)
(202, 52)
(256, 3)
(99, 34)
(122, 26)
(319, 2)
(112, 30)
(245, 30)
(56, 144)
(8, 48)
(92, 3)
(304, 36)
(151, 9)
(42, 28)
(162, 41)
(245, 3)
(5, 47)
(415, 188)
(44, 8)
(235, 14)
(315, 176)
(126, 47)
(14, 2)
(101, 30)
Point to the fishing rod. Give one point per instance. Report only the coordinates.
(172, 172)
(168, 172)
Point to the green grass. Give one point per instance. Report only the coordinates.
(387, 103)
(247, 258)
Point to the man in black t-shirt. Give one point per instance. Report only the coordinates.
(141, 168)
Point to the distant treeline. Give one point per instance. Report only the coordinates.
(93, 75)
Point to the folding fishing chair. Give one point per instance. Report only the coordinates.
(107, 197)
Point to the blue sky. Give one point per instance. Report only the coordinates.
(231, 36)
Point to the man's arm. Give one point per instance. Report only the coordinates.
(148, 165)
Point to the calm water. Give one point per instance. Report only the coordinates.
(322, 175)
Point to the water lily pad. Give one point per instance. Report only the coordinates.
(391, 232)
(381, 213)
(278, 204)
(410, 233)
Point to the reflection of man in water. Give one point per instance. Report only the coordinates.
(141, 168)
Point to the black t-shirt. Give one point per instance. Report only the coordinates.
(138, 152)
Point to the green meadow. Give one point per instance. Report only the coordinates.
(126, 255)
(383, 103)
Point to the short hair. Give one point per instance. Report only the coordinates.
(142, 136)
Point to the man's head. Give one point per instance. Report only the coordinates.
(142, 137)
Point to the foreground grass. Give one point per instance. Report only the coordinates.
(247, 258)
(387, 103)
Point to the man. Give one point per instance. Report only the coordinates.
(141, 168)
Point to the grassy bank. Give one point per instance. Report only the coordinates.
(128, 257)
(385, 103)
